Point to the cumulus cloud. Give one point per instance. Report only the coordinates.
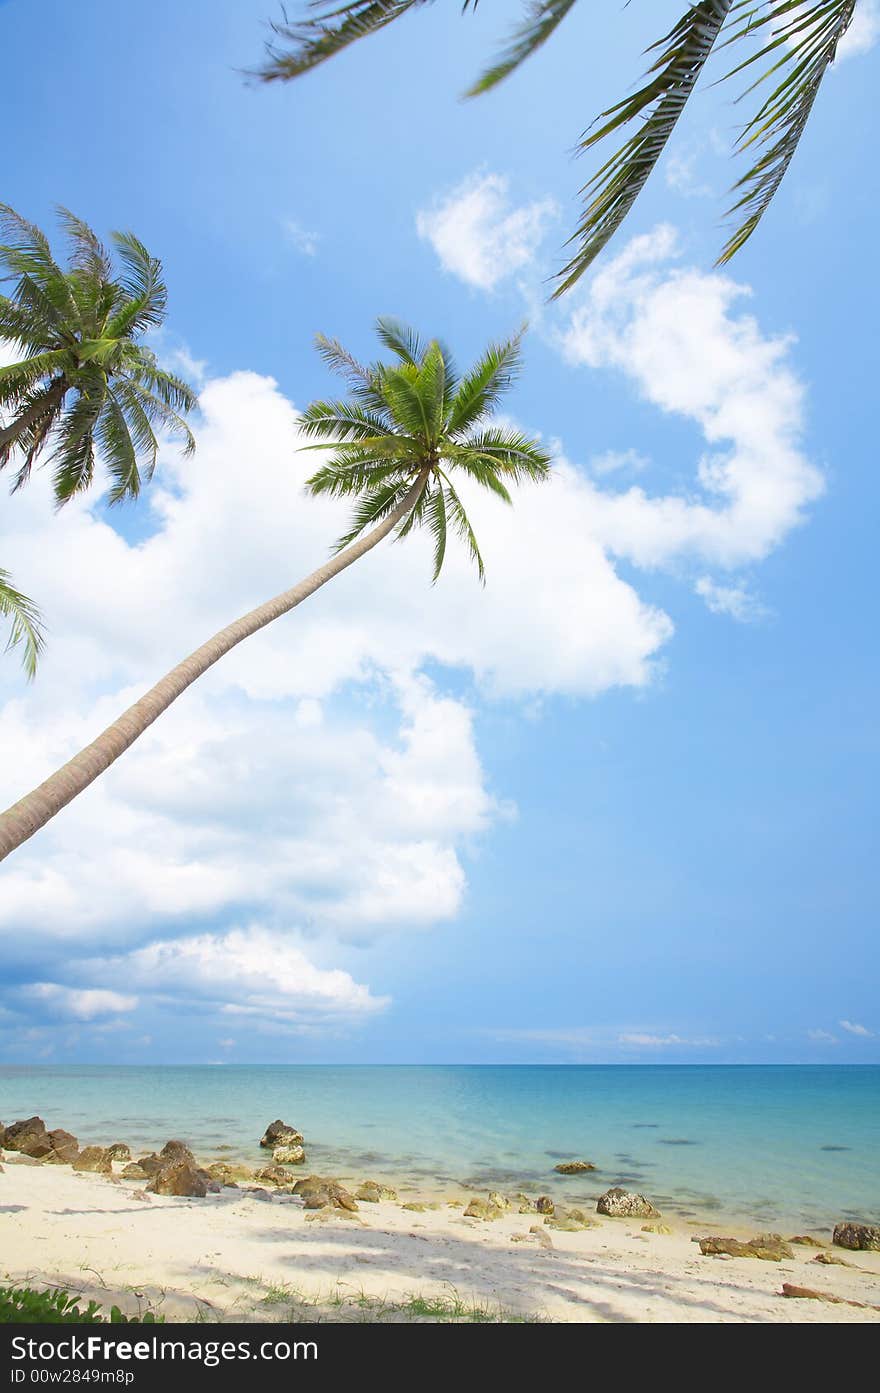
(478, 235)
(853, 1028)
(58, 1002)
(691, 351)
(317, 782)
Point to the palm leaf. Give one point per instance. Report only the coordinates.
(26, 630)
(330, 30)
(615, 187)
(461, 522)
(809, 39)
(481, 389)
(542, 19)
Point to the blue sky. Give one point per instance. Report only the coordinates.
(619, 806)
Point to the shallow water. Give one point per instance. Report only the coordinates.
(789, 1145)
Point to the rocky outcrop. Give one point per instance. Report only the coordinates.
(133, 1171)
(94, 1158)
(30, 1137)
(152, 1164)
(319, 1192)
(273, 1175)
(810, 1294)
(229, 1173)
(769, 1247)
(545, 1205)
(857, 1237)
(180, 1177)
(65, 1147)
(280, 1133)
(289, 1155)
(17, 1131)
(483, 1209)
(574, 1167)
(623, 1204)
(372, 1192)
(806, 1240)
(119, 1151)
(175, 1150)
(570, 1221)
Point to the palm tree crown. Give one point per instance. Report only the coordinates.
(84, 381)
(416, 422)
(795, 40)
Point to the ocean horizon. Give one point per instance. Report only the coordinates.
(774, 1145)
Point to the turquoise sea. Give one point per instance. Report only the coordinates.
(789, 1146)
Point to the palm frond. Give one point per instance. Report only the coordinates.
(658, 104)
(461, 523)
(342, 420)
(87, 253)
(436, 515)
(809, 37)
(482, 387)
(374, 505)
(542, 19)
(509, 451)
(26, 628)
(299, 47)
(402, 341)
(146, 295)
(73, 457)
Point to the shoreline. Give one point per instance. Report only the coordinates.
(254, 1252)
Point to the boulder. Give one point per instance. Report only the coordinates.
(316, 1198)
(65, 1147)
(179, 1177)
(341, 1198)
(176, 1151)
(500, 1201)
(25, 1127)
(150, 1165)
(574, 1167)
(545, 1205)
(481, 1209)
(227, 1173)
(289, 1155)
(769, 1247)
(94, 1158)
(273, 1175)
(371, 1191)
(310, 1182)
(857, 1237)
(280, 1133)
(622, 1204)
(133, 1171)
(119, 1151)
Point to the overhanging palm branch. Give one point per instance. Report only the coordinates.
(84, 380)
(415, 420)
(803, 36)
(25, 624)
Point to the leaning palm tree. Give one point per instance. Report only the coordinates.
(25, 625)
(406, 431)
(795, 40)
(82, 379)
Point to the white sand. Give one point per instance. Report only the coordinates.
(233, 1256)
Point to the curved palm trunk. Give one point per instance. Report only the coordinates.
(33, 811)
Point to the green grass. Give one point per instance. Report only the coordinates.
(54, 1306)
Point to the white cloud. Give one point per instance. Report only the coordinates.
(822, 1037)
(677, 335)
(478, 235)
(736, 601)
(863, 32)
(71, 1003)
(853, 1028)
(252, 971)
(300, 237)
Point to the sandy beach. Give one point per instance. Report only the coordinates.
(248, 1254)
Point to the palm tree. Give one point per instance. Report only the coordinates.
(84, 379)
(796, 40)
(402, 434)
(25, 623)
